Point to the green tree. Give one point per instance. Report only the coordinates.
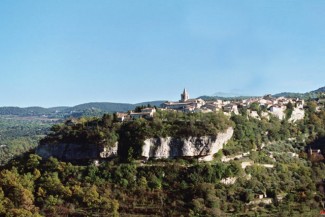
(91, 197)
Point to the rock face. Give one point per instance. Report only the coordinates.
(70, 152)
(203, 147)
(278, 112)
(297, 114)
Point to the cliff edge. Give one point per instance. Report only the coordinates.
(75, 151)
(203, 147)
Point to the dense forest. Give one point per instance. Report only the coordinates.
(19, 135)
(280, 178)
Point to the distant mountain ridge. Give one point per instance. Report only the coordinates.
(319, 90)
(310, 94)
(86, 109)
(230, 96)
(211, 98)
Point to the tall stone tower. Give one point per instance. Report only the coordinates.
(184, 96)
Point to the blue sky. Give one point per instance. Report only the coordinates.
(74, 51)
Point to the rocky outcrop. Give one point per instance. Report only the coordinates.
(253, 114)
(297, 114)
(203, 147)
(229, 180)
(73, 151)
(279, 113)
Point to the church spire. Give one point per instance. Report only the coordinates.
(184, 96)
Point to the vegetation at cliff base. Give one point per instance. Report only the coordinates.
(164, 188)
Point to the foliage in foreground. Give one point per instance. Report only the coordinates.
(165, 188)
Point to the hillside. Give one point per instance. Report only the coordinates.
(211, 98)
(88, 109)
(103, 106)
(264, 170)
(152, 103)
(307, 95)
(319, 90)
(289, 95)
(19, 135)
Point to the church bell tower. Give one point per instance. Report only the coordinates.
(184, 96)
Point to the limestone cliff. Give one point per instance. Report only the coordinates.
(297, 114)
(203, 147)
(70, 152)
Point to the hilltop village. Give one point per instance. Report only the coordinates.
(256, 107)
(192, 157)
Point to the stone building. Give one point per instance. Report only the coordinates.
(184, 96)
(185, 104)
(145, 113)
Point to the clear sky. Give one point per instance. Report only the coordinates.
(67, 52)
